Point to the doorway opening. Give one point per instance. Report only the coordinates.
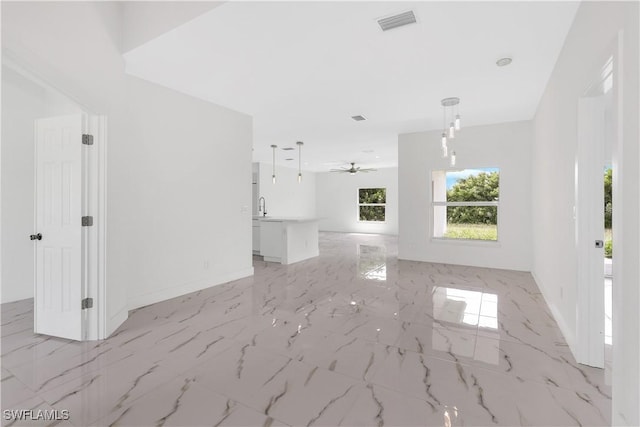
(57, 255)
(594, 207)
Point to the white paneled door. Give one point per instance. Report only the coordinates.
(58, 221)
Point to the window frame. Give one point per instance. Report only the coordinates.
(358, 205)
(446, 204)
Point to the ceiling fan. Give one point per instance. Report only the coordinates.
(353, 169)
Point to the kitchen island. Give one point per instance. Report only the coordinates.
(286, 240)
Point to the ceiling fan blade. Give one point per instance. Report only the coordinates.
(353, 169)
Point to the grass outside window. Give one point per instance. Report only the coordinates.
(472, 231)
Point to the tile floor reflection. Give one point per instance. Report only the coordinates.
(354, 337)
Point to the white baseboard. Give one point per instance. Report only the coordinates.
(113, 323)
(176, 291)
(347, 230)
(466, 263)
(559, 318)
(301, 257)
(14, 298)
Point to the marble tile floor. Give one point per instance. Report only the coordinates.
(354, 337)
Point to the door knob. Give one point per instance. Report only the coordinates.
(36, 236)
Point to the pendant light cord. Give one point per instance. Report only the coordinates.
(300, 144)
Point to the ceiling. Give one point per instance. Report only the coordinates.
(302, 69)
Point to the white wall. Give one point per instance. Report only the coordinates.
(337, 201)
(506, 146)
(587, 46)
(145, 20)
(287, 197)
(188, 173)
(179, 188)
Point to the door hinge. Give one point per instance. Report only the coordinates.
(87, 221)
(87, 303)
(87, 139)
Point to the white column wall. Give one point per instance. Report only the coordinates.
(188, 178)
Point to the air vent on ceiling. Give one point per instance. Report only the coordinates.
(396, 21)
(287, 148)
(358, 118)
(290, 158)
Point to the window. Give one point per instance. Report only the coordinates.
(372, 204)
(465, 203)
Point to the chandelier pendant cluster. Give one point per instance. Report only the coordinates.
(449, 132)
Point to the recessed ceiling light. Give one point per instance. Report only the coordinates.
(358, 118)
(288, 148)
(503, 62)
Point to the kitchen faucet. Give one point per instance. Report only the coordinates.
(262, 206)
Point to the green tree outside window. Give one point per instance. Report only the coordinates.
(372, 204)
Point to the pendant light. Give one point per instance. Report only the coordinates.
(273, 174)
(449, 132)
(444, 144)
(444, 134)
(300, 144)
